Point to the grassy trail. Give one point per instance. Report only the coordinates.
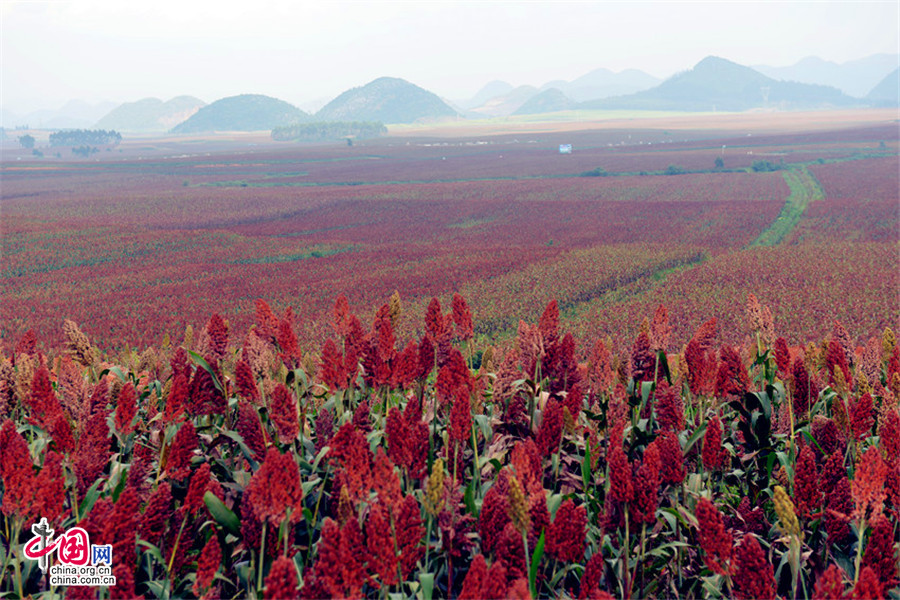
(804, 189)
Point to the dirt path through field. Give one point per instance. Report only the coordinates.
(804, 189)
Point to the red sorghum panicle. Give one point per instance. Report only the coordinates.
(250, 429)
(92, 451)
(753, 518)
(380, 541)
(460, 418)
(669, 408)
(830, 584)
(826, 433)
(126, 408)
(156, 514)
(207, 564)
(838, 511)
(178, 463)
(426, 357)
(341, 562)
(600, 375)
(50, 489)
(592, 578)
(660, 329)
(538, 515)
(861, 417)
(218, 337)
(753, 577)
(385, 480)
(494, 513)
(274, 492)
(714, 539)
(621, 488)
(806, 489)
(331, 367)
(361, 420)
(43, 405)
(472, 585)
(527, 462)
(643, 361)
(351, 450)
(783, 358)
(281, 583)
(713, 452)
(836, 358)
(246, 382)
(409, 533)
(405, 367)
(17, 471)
(672, 469)
(453, 375)
(803, 389)
(283, 413)
(462, 317)
(324, 428)
(868, 484)
(731, 379)
(550, 433)
(287, 340)
(202, 481)
(889, 436)
(178, 397)
(880, 554)
(205, 397)
(510, 552)
(867, 587)
(566, 535)
(646, 487)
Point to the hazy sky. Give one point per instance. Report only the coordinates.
(301, 51)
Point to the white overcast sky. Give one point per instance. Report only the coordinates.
(300, 51)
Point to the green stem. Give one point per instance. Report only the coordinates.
(626, 573)
(527, 565)
(427, 543)
(859, 545)
(262, 558)
(477, 472)
(175, 548)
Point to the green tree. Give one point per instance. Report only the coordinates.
(26, 141)
(720, 164)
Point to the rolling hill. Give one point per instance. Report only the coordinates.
(716, 84)
(388, 100)
(151, 114)
(551, 100)
(887, 92)
(247, 112)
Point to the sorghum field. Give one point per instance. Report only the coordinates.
(458, 368)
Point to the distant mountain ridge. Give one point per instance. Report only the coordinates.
(151, 114)
(887, 92)
(388, 100)
(717, 84)
(603, 83)
(505, 104)
(247, 112)
(855, 78)
(74, 114)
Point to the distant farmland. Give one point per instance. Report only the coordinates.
(133, 249)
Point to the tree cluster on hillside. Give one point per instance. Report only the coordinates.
(82, 137)
(329, 130)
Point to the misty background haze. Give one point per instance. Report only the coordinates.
(309, 52)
